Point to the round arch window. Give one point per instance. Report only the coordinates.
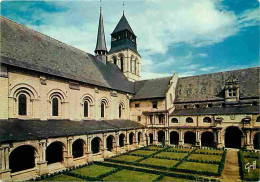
(174, 120)
(189, 120)
(207, 120)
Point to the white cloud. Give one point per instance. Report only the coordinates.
(208, 68)
(203, 55)
(249, 18)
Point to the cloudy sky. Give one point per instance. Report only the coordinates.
(187, 36)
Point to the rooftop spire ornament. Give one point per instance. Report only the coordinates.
(123, 7)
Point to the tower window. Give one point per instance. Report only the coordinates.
(55, 107)
(115, 60)
(120, 111)
(22, 104)
(160, 119)
(122, 63)
(151, 119)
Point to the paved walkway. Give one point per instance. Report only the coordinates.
(231, 169)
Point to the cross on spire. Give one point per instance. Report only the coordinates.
(123, 7)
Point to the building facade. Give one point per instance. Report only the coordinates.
(62, 107)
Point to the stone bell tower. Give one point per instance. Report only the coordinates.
(123, 52)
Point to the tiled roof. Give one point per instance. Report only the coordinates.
(211, 86)
(216, 110)
(20, 130)
(25, 48)
(149, 89)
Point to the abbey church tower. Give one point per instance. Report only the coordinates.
(123, 50)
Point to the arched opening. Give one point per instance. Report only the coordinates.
(95, 145)
(78, 148)
(86, 109)
(55, 106)
(150, 138)
(135, 67)
(140, 138)
(121, 140)
(115, 60)
(233, 137)
(131, 138)
(189, 138)
(207, 120)
(161, 136)
(22, 158)
(110, 143)
(122, 63)
(189, 120)
(257, 141)
(103, 109)
(22, 104)
(207, 139)
(174, 138)
(174, 120)
(54, 152)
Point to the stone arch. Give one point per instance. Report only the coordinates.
(233, 137)
(103, 107)
(161, 136)
(30, 95)
(22, 157)
(174, 138)
(256, 141)
(190, 138)
(110, 141)
(131, 138)
(96, 145)
(55, 152)
(87, 103)
(78, 148)
(207, 139)
(150, 138)
(56, 98)
(122, 140)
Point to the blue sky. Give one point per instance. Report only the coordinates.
(187, 36)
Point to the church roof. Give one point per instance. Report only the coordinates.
(21, 130)
(211, 86)
(101, 40)
(25, 48)
(123, 25)
(149, 89)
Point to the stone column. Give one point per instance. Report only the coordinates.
(69, 157)
(5, 172)
(167, 141)
(198, 141)
(249, 144)
(88, 151)
(42, 163)
(181, 141)
(104, 148)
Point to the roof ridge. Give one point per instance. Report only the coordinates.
(154, 79)
(220, 72)
(47, 36)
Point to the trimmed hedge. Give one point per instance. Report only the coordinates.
(183, 176)
(222, 163)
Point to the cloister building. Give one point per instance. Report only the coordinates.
(62, 107)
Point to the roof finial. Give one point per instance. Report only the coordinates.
(123, 7)
(100, 5)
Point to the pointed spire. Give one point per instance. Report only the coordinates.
(101, 40)
(123, 25)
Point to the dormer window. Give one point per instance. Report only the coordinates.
(231, 92)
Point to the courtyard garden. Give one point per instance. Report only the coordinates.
(152, 163)
(249, 166)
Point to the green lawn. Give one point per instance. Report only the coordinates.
(209, 151)
(127, 175)
(254, 174)
(143, 152)
(199, 166)
(93, 170)
(128, 158)
(160, 162)
(155, 147)
(172, 155)
(167, 178)
(205, 157)
(180, 149)
(63, 177)
(251, 154)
